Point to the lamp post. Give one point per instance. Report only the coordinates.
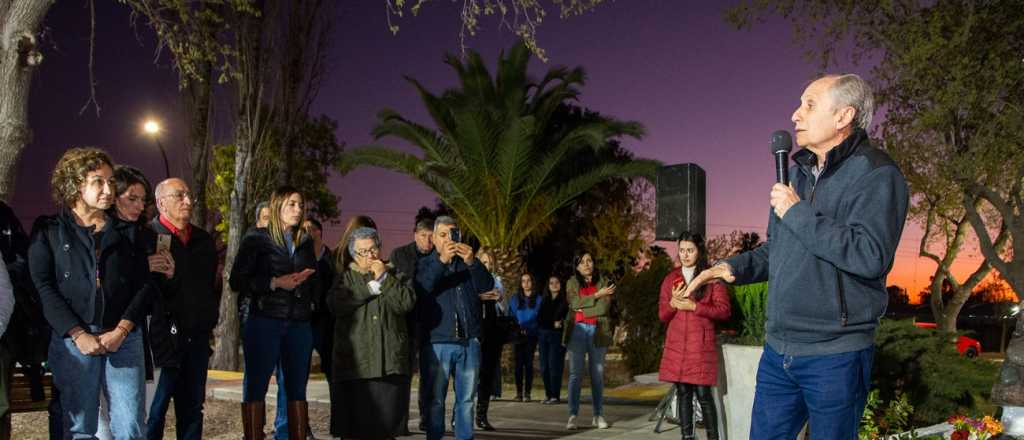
(152, 128)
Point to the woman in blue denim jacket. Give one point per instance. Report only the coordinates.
(524, 306)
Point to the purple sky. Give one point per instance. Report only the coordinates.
(705, 92)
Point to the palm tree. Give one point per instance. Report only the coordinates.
(502, 154)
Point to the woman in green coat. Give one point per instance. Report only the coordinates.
(588, 334)
(371, 349)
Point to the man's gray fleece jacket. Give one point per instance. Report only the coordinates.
(826, 260)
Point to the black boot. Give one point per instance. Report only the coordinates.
(707, 405)
(481, 416)
(684, 408)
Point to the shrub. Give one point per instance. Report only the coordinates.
(637, 300)
(748, 312)
(921, 362)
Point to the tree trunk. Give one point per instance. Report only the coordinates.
(199, 107)
(226, 334)
(19, 56)
(510, 267)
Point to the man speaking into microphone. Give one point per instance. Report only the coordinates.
(832, 235)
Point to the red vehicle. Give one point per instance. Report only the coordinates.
(967, 346)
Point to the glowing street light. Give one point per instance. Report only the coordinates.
(152, 128)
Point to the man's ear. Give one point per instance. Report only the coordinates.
(845, 117)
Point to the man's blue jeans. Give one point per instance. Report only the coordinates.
(442, 361)
(828, 390)
(268, 341)
(581, 345)
(186, 384)
(120, 376)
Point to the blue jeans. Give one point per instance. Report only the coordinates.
(581, 345)
(830, 390)
(442, 360)
(552, 362)
(120, 376)
(269, 341)
(186, 384)
(323, 344)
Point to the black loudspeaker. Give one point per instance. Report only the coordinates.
(681, 194)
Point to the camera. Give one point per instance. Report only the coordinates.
(455, 235)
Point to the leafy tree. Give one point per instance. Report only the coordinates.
(496, 157)
(733, 243)
(519, 16)
(637, 299)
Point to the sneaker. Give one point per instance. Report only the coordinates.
(600, 422)
(571, 425)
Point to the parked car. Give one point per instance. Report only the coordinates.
(965, 345)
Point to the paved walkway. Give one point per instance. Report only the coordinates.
(626, 408)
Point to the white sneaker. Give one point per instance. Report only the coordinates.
(572, 424)
(600, 422)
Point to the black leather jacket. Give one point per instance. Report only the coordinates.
(259, 259)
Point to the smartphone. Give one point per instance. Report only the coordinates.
(163, 243)
(454, 235)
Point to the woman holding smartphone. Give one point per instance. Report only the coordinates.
(275, 266)
(690, 357)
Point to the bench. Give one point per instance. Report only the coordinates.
(21, 393)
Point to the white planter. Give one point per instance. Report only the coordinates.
(739, 371)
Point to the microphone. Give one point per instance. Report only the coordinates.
(782, 144)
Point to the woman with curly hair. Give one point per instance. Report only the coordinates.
(94, 286)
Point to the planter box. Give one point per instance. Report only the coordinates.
(737, 379)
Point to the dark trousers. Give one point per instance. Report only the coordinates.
(552, 361)
(524, 365)
(186, 384)
(684, 407)
(490, 362)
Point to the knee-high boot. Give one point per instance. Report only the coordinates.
(254, 416)
(298, 419)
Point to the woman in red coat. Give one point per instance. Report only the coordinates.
(690, 357)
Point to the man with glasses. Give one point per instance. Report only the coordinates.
(184, 314)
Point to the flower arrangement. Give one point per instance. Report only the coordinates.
(966, 428)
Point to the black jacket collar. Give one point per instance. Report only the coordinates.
(807, 159)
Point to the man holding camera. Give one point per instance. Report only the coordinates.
(448, 283)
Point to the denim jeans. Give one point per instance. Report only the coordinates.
(581, 345)
(269, 341)
(552, 362)
(120, 376)
(829, 390)
(186, 384)
(443, 360)
(524, 365)
(323, 343)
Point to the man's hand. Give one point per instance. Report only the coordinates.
(163, 263)
(466, 252)
(720, 271)
(447, 251)
(607, 291)
(783, 197)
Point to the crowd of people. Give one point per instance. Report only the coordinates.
(129, 296)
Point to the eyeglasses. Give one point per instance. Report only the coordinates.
(368, 252)
(181, 195)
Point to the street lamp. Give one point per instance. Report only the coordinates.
(152, 128)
